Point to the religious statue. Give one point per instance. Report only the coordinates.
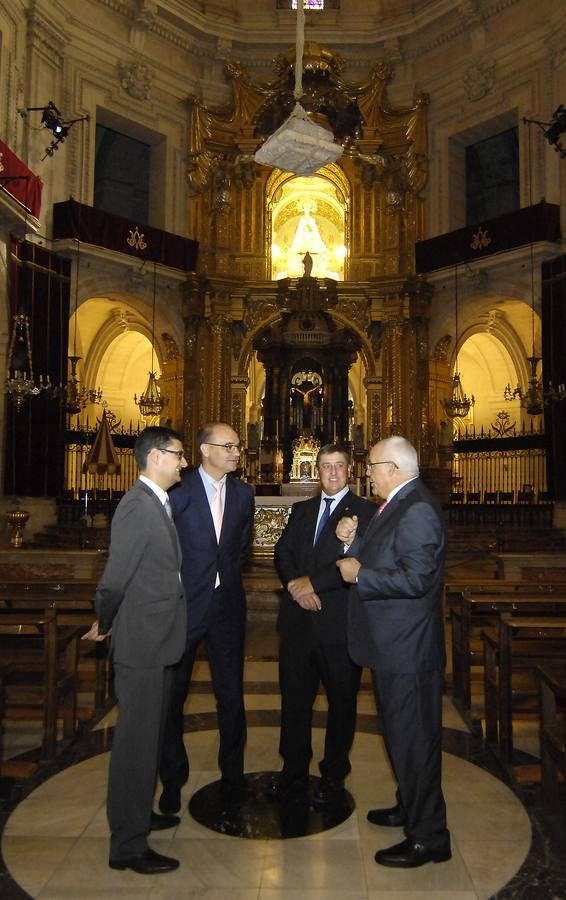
(307, 264)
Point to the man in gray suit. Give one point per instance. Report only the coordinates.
(395, 627)
(140, 599)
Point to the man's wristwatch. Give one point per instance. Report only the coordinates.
(356, 581)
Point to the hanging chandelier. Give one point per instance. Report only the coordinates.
(535, 397)
(299, 145)
(457, 404)
(152, 402)
(76, 396)
(20, 382)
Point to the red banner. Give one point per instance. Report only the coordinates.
(19, 181)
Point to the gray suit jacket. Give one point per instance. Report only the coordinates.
(395, 611)
(140, 595)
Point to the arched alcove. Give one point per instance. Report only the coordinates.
(308, 214)
(486, 367)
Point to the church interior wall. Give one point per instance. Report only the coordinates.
(484, 68)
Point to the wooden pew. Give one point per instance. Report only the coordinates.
(73, 602)
(39, 658)
(471, 612)
(521, 644)
(552, 694)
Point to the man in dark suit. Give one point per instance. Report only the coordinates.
(214, 514)
(395, 627)
(140, 599)
(312, 631)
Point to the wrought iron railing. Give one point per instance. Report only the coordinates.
(500, 465)
(78, 482)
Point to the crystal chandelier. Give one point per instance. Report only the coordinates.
(299, 145)
(533, 399)
(457, 404)
(152, 401)
(76, 396)
(20, 383)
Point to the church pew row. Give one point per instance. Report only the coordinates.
(552, 702)
(73, 602)
(470, 612)
(513, 652)
(39, 656)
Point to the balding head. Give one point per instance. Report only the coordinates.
(391, 462)
(402, 453)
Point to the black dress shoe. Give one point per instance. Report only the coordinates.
(328, 791)
(393, 817)
(281, 788)
(233, 790)
(160, 823)
(410, 853)
(170, 800)
(149, 863)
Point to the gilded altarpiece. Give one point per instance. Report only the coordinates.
(377, 183)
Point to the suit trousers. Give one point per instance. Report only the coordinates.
(143, 701)
(410, 712)
(302, 666)
(223, 634)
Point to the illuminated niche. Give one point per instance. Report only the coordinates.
(307, 216)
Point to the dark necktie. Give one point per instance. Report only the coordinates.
(324, 517)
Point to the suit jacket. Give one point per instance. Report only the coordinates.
(140, 595)
(295, 556)
(203, 555)
(395, 611)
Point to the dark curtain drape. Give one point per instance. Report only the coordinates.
(554, 370)
(95, 226)
(35, 438)
(532, 223)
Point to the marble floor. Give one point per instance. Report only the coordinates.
(54, 835)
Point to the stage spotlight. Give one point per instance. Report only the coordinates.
(51, 119)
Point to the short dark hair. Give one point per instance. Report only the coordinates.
(333, 448)
(155, 436)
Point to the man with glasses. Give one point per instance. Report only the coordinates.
(214, 516)
(312, 633)
(395, 627)
(140, 600)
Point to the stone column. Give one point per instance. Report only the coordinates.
(238, 418)
(220, 356)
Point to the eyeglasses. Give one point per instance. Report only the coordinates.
(178, 453)
(382, 462)
(228, 447)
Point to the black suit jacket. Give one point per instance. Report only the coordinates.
(395, 611)
(203, 555)
(295, 556)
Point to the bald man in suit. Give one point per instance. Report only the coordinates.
(395, 627)
(213, 555)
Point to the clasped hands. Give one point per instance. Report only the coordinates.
(304, 594)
